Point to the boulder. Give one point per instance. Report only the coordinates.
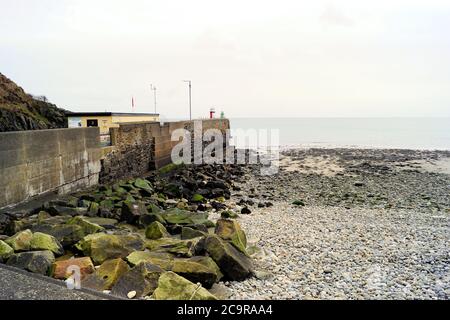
(42, 241)
(153, 208)
(198, 269)
(174, 287)
(93, 209)
(88, 226)
(33, 261)
(5, 251)
(107, 275)
(147, 219)
(190, 233)
(181, 248)
(106, 223)
(234, 264)
(299, 203)
(156, 230)
(163, 260)
(132, 210)
(107, 204)
(144, 185)
(197, 198)
(15, 226)
(184, 217)
(66, 234)
(4, 222)
(56, 210)
(228, 214)
(101, 247)
(46, 219)
(143, 279)
(246, 210)
(20, 241)
(59, 269)
(231, 231)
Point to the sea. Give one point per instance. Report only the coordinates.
(396, 133)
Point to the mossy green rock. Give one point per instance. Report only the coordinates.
(174, 287)
(182, 248)
(88, 226)
(20, 241)
(33, 261)
(143, 279)
(101, 246)
(143, 185)
(233, 263)
(230, 230)
(106, 223)
(93, 208)
(42, 241)
(107, 204)
(107, 275)
(156, 230)
(197, 198)
(198, 269)
(190, 233)
(163, 260)
(5, 251)
(168, 168)
(228, 214)
(66, 234)
(147, 219)
(183, 217)
(153, 208)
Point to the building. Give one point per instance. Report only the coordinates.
(106, 120)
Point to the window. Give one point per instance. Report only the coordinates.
(92, 122)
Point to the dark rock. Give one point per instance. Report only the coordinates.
(65, 211)
(233, 263)
(106, 275)
(298, 203)
(246, 210)
(198, 269)
(4, 222)
(143, 279)
(67, 235)
(147, 219)
(101, 247)
(33, 261)
(189, 233)
(131, 211)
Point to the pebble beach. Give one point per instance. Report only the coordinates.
(367, 224)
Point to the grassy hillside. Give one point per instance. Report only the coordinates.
(20, 111)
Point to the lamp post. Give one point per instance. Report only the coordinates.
(153, 88)
(190, 100)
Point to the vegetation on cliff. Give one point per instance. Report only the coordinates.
(21, 111)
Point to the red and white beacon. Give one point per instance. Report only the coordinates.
(212, 111)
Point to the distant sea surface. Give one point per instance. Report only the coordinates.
(402, 133)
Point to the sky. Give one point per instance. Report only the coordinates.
(252, 58)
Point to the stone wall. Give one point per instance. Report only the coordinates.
(140, 147)
(35, 162)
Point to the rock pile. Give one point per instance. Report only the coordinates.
(141, 238)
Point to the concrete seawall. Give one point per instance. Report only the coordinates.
(38, 161)
(66, 160)
(140, 147)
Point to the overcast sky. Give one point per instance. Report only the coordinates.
(247, 58)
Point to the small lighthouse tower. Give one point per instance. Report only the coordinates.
(212, 111)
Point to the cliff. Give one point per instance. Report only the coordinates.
(21, 111)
